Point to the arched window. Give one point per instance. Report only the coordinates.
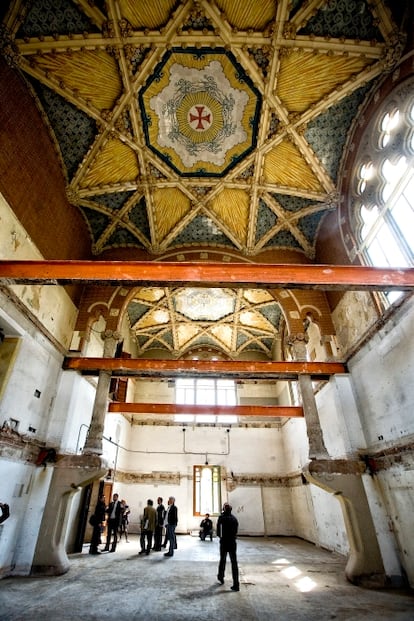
(382, 197)
(206, 490)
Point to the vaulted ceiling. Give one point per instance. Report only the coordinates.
(199, 125)
(236, 322)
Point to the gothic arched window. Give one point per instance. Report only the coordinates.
(382, 197)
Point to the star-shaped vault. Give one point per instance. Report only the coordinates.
(280, 84)
(199, 130)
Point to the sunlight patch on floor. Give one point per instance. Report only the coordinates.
(304, 584)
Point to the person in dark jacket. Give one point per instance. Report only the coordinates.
(123, 527)
(227, 528)
(114, 511)
(172, 521)
(149, 521)
(159, 525)
(5, 511)
(206, 528)
(96, 520)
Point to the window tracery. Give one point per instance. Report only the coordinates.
(382, 197)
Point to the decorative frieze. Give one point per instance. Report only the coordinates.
(260, 479)
(149, 478)
(263, 480)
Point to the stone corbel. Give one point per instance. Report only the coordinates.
(343, 479)
(70, 473)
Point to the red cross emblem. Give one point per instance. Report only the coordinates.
(200, 115)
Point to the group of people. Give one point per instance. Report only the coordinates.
(117, 516)
(154, 520)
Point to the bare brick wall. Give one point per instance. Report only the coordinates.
(31, 178)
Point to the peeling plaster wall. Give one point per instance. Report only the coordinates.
(381, 511)
(31, 389)
(329, 522)
(352, 318)
(382, 374)
(277, 504)
(396, 487)
(252, 394)
(144, 391)
(248, 508)
(310, 506)
(295, 444)
(25, 488)
(242, 450)
(303, 514)
(260, 477)
(339, 418)
(50, 418)
(117, 449)
(71, 413)
(159, 460)
(50, 305)
(369, 413)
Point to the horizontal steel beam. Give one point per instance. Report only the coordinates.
(149, 273)
(261, 411)
(144, 367)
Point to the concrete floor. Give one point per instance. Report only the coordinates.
(282, 578)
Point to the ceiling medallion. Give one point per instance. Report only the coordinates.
(200, 304)
(200, 111)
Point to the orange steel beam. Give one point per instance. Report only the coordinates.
(217, 410)
(143, 367)
(148, 273)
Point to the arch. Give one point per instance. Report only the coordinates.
(112, 303)
(373, 140)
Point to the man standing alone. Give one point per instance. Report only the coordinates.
(172, 521)
(227, 527)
